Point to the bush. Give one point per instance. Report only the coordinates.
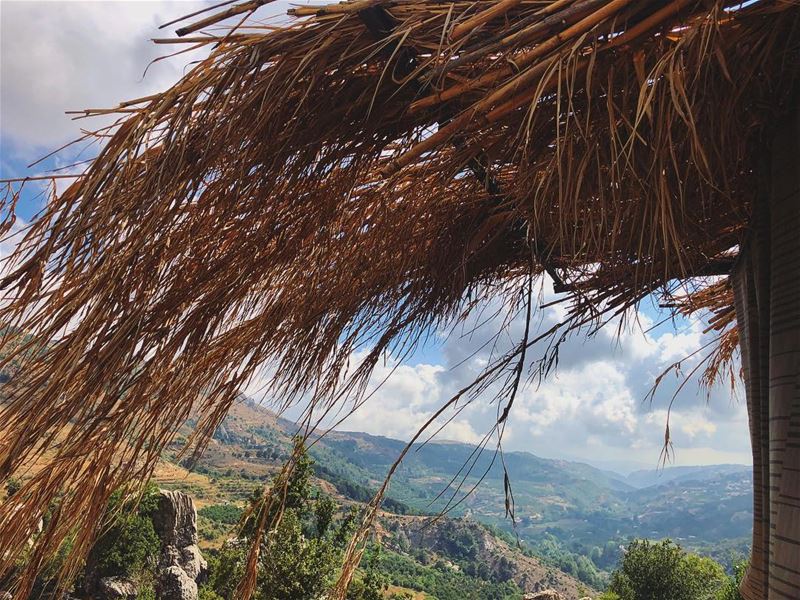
(129, 546)
(664, 571)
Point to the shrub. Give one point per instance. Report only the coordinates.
(129, 546)
(664, 571)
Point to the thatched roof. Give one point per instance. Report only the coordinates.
(360, 176)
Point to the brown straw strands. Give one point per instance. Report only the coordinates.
(353, 181)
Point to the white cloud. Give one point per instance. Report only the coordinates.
(59, 56)
(592, 408)
(72, 55)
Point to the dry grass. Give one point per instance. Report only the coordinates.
(352, 181)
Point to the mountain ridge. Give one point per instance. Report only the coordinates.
(574, 515)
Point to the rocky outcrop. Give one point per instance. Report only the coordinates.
(465, 539)
(175, 521)
(181, 566)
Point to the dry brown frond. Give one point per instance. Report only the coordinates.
(355, 179)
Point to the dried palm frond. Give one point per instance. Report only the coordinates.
(351, 181)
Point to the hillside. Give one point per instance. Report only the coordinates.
(442, 558)
(572, 515)
(571, 518)
(469, 546)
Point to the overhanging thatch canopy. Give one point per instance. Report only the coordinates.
(360, 176)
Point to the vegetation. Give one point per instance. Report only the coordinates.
(664, 571)
(730, 589)
(229, 514)
(571, 516)
(580, 564)
(302, 556)
(442, 580)
(130, 546)
(299, 559)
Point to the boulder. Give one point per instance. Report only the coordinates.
(174, 584)
(543, 595)
(116, 588)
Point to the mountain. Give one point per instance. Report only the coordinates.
(467, 546)
(573, 515)
(655, 477)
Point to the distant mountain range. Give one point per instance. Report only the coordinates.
(654, 477)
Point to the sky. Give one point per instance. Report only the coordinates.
(57, 56)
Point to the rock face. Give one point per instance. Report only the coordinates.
(175, 521)
(181, 566)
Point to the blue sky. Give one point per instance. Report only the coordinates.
(61, 56)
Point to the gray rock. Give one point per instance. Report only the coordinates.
(175, 584)
(192, 561)
(544, 595)
(176, 519)
(181, 565)
(116, 588)
(170, 555)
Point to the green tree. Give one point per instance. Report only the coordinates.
(130, 546)
(370, 583)
(295, 567)
(300, 555)
(730, 589)
(225, 570)
(664, 571)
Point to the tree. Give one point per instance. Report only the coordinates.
(730, 589)
(130, 546)
(664, 571)
(372, 583)
(300, 556)
(295, 567)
